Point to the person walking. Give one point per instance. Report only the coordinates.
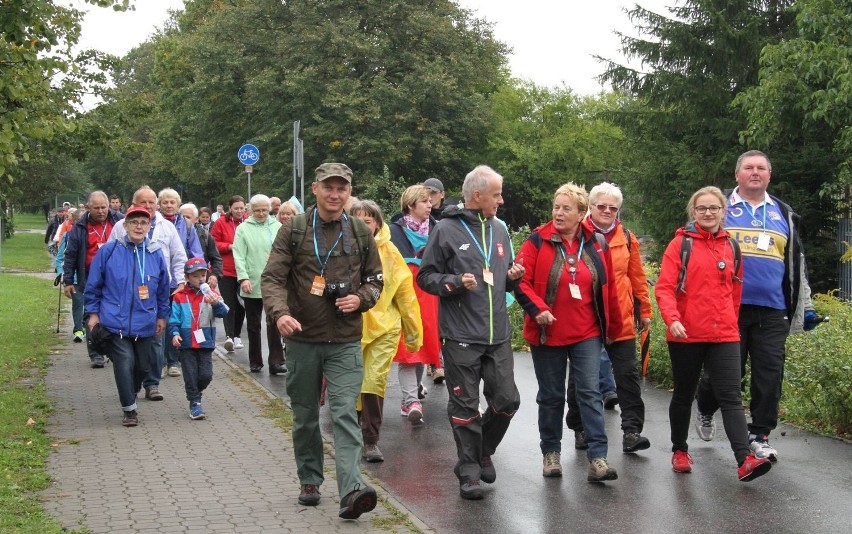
(223, 232)
(570, 307)
(396, 313)
(192, 330)
(252, 245)
(84, 240)
(699, 302)
(316, 285)
(468, 263)
(618, 359)
(776, 298)
(127, 294)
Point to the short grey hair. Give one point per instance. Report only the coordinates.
(606, 189)
(94, 194)
(477, 180)
(259, 199)
(189, 206)
(168, 193)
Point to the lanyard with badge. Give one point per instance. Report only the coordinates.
(571, 260)
(101, 235)
(762, 239)
(197, 333)
(487, 275)
(143, 287)
(318, 286)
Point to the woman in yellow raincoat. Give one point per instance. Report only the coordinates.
(396, 310)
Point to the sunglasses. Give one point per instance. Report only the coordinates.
(606, 207)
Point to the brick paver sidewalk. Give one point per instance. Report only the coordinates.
(233, 472)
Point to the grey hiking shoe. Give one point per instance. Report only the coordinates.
(633, 441)
(552, 466)
(599, 470)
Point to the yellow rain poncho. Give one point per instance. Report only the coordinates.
(396, 309)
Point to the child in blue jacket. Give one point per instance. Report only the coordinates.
(193, 331)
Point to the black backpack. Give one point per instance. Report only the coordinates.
(686, 251)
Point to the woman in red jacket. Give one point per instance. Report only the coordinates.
(700, 307)
(570, 307)
(222, 232)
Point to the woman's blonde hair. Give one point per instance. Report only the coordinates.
(412, 195)
(575, 192)
(709, 190)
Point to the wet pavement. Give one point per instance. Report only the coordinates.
(808, 490)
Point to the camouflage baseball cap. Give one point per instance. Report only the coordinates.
(329, 170)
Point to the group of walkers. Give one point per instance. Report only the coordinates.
(350, 292)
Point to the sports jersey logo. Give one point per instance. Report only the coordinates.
(464, 246)
(773, 215)
(755, 222)
(735, 211)
(500, 249)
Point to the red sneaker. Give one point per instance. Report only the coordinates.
(682, 462)
(753, 467)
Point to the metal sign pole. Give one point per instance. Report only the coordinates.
(248, 173)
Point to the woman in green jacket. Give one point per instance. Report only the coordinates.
(252, 245)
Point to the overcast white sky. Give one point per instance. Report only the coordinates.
(553, 40)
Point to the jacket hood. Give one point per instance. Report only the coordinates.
(383, 236)
(461, 212)
(692, 229)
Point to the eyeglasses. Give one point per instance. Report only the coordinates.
(138, 222)
(704, 209)
(606, 207)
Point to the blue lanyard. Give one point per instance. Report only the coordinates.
(316, 246)
(141, 263)
(481, 248)
(753, 210)
(579, 255)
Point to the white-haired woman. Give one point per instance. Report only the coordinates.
(252, 245)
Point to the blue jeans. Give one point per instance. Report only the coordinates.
(155, 367)
(607, 381)
(130, 358)
(551, 366)
(78, 303)
(197, 371)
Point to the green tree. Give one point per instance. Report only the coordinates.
(379, 84)
(682, 130)
(41, 80)
(805, 83)
(541, 138)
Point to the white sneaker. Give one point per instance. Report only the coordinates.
(228, 344)
(705, 426)
(238, 343)
(164, 373)
(761, 448)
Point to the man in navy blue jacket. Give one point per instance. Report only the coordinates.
(85, 238)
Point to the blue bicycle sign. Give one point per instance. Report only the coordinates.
(248, 155)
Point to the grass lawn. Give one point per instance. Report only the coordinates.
(33, 221)
(26, 252)
(28, 307)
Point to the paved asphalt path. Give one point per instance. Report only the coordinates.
(808, 490)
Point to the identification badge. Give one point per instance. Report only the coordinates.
(143, 292)
(763, 242)
(488, 277)
(575, 291)
(199, 335)
(318, 286)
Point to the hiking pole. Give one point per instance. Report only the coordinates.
(58, 305)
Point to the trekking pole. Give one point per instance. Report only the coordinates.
(58, 308)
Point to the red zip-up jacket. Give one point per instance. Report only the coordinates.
(710, 303)
(222, 232)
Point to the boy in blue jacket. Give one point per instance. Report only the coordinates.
(193, 331)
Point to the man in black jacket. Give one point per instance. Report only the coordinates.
(468, 263)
